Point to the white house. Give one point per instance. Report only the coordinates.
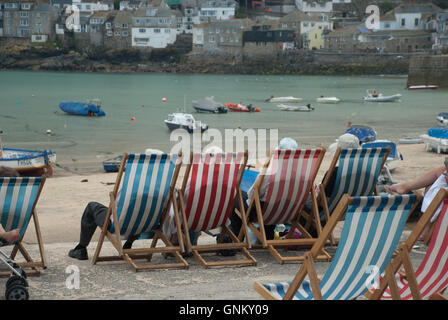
(86, 7)
(310, 6)
(154, 27)
(413, 16)
(217, 10)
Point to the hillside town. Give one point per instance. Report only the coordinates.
(228, 29)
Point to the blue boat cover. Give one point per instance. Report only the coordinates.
(364, 134)
(383, 144)
(81, 109)
(249, 177)
(438, 132)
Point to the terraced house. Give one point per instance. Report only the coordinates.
(154, 27)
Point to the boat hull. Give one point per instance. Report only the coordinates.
(203, 110)
(81, 109)
(235, 108)
(175, 126)
(328, 100)
(28, 162)
(393, 98)
(429, 87)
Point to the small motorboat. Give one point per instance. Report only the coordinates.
(28, 162)
(442, 117)
(373, 96)
(112, 165)
(284, 99)
(241, 107)
(209, 105)
(436, 139)
(91, 108)
(285, 107)
(323, 99)
(423, 87)
(180, 120)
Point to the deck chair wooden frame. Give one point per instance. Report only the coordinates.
(236, 244)
(412, 288)
(306, 160)
(130, 255)
(30, 266)
(347, 275)
(322, 197)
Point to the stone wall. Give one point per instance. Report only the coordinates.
(425, 70)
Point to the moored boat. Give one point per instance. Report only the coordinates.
(241, 107)
(28, 162)
(209, 105)
(284, 99)
(112, 165)
(180, 120)
(323, 99)
(423, 87)
(91, 108)
(285, 107)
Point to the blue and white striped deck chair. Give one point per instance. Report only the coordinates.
(356, 175)
(372, 229)
(141, 206)
(18, 199)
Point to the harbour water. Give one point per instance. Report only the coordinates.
(29, 107)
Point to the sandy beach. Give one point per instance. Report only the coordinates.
(60, 208)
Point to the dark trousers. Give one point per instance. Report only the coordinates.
(94, 216)
(236, 223)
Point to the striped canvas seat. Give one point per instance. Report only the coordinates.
(140, 206)
(290, 184)
(290, 175)
(431, 276)
(211, 190)
(357, 173)
(371, 232)
(18, 198)
(144, 192)
(207, 199)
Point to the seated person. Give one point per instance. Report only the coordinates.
(235, 221)
(432, 181)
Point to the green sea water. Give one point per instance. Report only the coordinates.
(29, 106)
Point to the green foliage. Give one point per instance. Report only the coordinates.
(386, 7)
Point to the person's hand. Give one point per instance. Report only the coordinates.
(396, 189)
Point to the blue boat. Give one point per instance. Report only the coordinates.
(91, 108)
(112, 165)
(363, 132)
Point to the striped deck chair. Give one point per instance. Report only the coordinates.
(140, 207)
(291, 175)
(210, 187)
(430, 279)
(18, 199)
(357, 175)
(372, 229)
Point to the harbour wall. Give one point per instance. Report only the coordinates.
(428, 70)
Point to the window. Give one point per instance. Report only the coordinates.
(416, 22)
(117, 33)
(125, 34)
(124, 26)
(156, 30)
(142, 30)
(88, 6)
(24, 22)
(167, 30)
(387, 25)
(24, 14)
(26, 6)
(211, 39)
(109, 33)
(108, 25)
(403, 22)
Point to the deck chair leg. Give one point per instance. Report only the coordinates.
(410, 275)
(314, 280)
(39, 240)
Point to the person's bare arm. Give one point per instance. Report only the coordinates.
(421, 182)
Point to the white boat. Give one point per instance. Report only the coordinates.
(323, 99)
(372, 96)
(284, 99)
(423, 87)
(285, 107)
(180, 120)
(442, 117)
(28, 162)
(209, 105)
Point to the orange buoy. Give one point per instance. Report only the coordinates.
(133, 118)
(164, 99)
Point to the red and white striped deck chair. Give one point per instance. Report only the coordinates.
(291, 175)
(206, 200)
(430, 280)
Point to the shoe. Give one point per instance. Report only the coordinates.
(78, 253)
(226, 252)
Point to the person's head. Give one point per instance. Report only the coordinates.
(8, 172)
(347, 141)
(287, 144)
